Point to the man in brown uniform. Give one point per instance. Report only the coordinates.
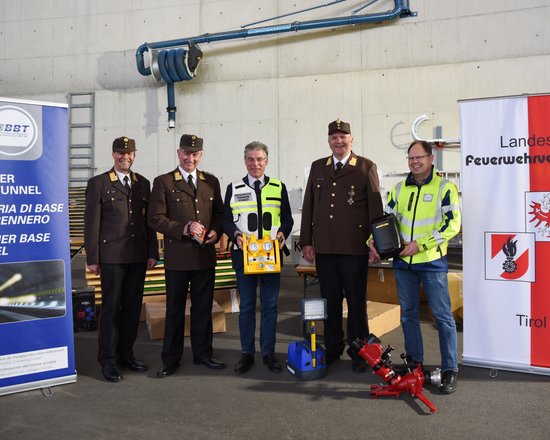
(187, 207)
(119, 248)
(342, 198)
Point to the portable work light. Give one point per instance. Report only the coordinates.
(305, 360)
(314, 309)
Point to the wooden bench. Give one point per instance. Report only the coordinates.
(309, 274)
(155, 284)
(77, 204)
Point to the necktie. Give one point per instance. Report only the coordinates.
(191, 184)
(259, 226)
(126, 183)
(339, 166)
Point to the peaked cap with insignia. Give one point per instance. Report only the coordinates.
(339, 125)
(190, 142)
(124, 145)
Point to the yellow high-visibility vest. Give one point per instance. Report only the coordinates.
(429, 215)
(244, 206)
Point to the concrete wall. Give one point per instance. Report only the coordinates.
(282, 90)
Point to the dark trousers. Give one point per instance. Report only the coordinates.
(202, 295)
(339, 276)
(121, 298)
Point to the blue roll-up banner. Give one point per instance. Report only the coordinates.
(36, 324)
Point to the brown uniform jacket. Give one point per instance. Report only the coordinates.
(338, 209)
(115, 222)
(173, 205)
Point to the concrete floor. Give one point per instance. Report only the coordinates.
(197, 403)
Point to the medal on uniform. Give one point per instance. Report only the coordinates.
(351, 193)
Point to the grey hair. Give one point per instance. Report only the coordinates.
(256, 146)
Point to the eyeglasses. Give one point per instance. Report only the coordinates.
(413, 158)
(260, 160)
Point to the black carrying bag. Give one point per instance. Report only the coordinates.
(387, 239)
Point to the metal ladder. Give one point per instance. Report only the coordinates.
(81, 137)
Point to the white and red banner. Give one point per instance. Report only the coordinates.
(505, 145)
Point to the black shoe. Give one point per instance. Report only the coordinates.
(167, 370)
(331, 358)
(449, 382)
(272, 363)
(111, 373)
(359, 366)
(210, 362)
(245, 362)
(133, 364)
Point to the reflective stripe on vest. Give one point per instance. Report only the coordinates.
(424, 218)
(243, 204)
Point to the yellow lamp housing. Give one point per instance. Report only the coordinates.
(261, 255)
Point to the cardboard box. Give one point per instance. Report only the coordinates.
(383, 318)
(381, 285)
(455, 294)
(155, 313)
(150, 299)
(228, 299)
(155, 318)
(218, 319)
(455, 290)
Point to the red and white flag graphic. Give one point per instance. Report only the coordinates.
(510, 256)
(537, 210)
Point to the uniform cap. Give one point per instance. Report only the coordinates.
(339, 125)
(190, 142)
(124, 145)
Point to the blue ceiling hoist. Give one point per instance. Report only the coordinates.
(177, 60)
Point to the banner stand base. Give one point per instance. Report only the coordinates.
(38, 384)
(520, 368)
